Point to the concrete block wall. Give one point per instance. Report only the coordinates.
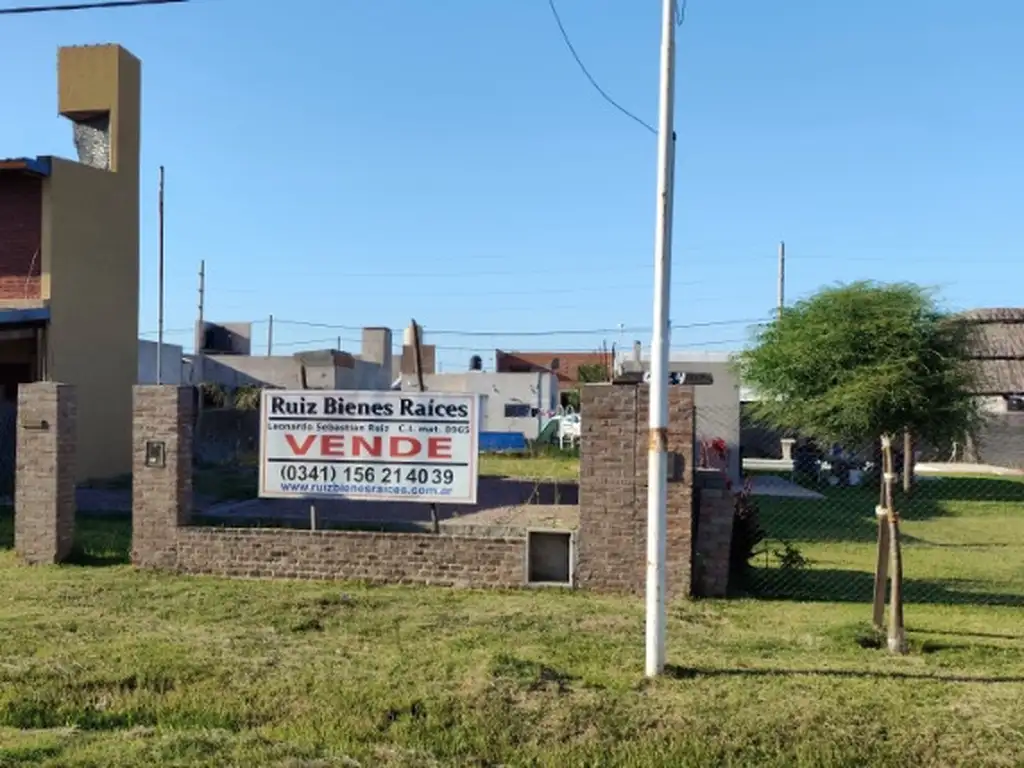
(612, 538)
(44, 497)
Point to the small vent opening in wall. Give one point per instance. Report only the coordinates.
(549, 556)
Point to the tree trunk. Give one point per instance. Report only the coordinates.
(897, 637)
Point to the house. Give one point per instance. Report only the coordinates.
(226, 362)
(997, 343)
(566, 365)
(69, 256)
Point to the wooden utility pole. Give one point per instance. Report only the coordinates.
(160, 283)
(782, 278)
(197, 357)
(421, 385)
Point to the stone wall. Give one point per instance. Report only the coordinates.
(394, 558)
(163, 538)
(612, 539)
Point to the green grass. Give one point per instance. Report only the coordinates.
(555, 466)
(963, 542)
(107, 666)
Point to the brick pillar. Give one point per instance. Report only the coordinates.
(44, 492)
(161, 472)
(714, 533)
(613, 489)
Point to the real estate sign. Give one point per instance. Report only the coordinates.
(377, 446)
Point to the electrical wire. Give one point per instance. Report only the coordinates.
(535, 334)
(93, 6)
(586, 72)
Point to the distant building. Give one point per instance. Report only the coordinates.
(518, 403)
(315, 369)
(717, 404)
(998, 354)
(565, 365)
(172, 368)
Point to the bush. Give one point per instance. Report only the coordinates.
(214, 395)
(747, 535)
(248, 398)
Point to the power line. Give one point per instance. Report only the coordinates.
(98, 5)
(536, 334)
(586, 72)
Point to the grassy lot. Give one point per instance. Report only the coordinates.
(562, 467)
(105, 666)
(964, 542)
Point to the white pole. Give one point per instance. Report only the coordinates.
(657, 458)
(160, 289)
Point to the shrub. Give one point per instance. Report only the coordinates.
(747, 535)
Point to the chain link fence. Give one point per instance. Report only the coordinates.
(806, 526)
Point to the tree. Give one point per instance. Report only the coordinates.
(592, 373)
(860, 363)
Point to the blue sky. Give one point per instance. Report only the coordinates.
(348, 162)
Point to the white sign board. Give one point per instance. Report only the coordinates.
(367, 445)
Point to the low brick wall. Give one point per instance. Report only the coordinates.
(394, 558)
(715, 502)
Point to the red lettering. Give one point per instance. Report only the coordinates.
(300, 450)
(439, 448)
(332, 445)
(361, 445)
(395, 447)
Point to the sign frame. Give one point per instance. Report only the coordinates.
(471, 464)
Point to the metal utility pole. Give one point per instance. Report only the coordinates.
(782, 277)
(160, 272)
(657, 458)
(270, 336)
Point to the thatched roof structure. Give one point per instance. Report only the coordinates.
(998, 348)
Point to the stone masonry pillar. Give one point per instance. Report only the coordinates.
(161, 472)
(613, 488)
(44, 492)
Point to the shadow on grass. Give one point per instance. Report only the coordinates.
(100, 539)
(6, 528)
(848, 514)
(843, 586)
(692, 673)
(964, 633)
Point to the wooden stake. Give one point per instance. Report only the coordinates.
(897, 637)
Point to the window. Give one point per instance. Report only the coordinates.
(517, 411)
(1015, 402)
